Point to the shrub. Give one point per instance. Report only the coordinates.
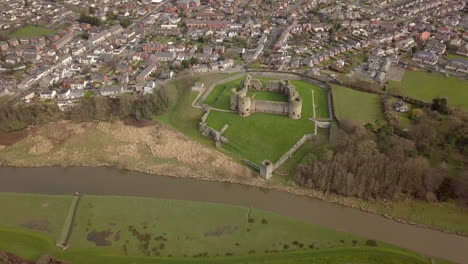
(371, 243)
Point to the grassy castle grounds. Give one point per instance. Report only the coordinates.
(32, 31)
(426, 86)
(357, 106)
(264, 136)
(157, 231)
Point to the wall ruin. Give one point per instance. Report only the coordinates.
(246, 105)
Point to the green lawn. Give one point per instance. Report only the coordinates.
(456, 56)
(32, 31)
(356, 106)
(268, 96)
(181, 115)
(45, 214)
(426, 86)
(148, 230)
(263, 136)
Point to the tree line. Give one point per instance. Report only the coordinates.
(127, 106)
(427, 161)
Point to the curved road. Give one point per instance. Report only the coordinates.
(112, 181)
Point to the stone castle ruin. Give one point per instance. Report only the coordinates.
(246, 105)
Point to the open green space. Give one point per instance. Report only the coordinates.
(181, 115)
(32, 31)
(426, 86)
(44, 214)
(267, 136)
(148, 230)
(456, 56)
(357, 106)
(447, 215)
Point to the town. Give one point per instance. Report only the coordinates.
(61, 52)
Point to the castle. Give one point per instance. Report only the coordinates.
(246, 105)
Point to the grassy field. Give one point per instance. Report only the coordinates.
(35, 212)
(181, 115)
(447, 215)
(357, 106)
(456, 56)
(171, 231)
(32, 31)
(426, 86)
(259, 136)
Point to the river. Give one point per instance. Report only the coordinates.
(113, 181)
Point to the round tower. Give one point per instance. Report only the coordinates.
(295, 107)
(245, 105)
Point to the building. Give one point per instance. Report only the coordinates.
(60, 43)
(435, 46)
(460, 65)
(426, 57)
(145, 74)
(213, 24)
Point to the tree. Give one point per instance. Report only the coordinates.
(185, 63)
(91, 10)
(440, 105)
(194, 61)
(125, 23)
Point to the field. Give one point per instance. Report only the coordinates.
(357, 106)
(426, 86)
(48, 213)
(170, 231)
(456, 56)
(32, 31)
(261, 135)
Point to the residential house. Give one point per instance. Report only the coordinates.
(145, 74)
(48, 94)
(426, 57)
(435, 46)
(457, 64)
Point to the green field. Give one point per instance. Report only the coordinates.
(262, 136)
(32, 31)
(49, 212)
(147, 230)
(357, 106)
(426, 86)
(456, 56)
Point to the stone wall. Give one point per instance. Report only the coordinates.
(292, 150)
(279, 108)
(207, 131)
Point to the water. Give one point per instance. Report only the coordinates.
(113, 181)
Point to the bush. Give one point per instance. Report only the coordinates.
(371, 243)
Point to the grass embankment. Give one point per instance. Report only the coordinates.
(267, 136)
(426, 86)
(181, 115)
(357, 106)
(32, 31)
(170, 231)
(447, 215)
